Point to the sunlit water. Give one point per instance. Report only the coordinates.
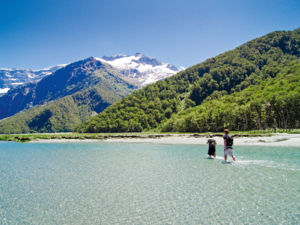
(114, 183)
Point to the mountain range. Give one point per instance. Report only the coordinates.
(11, 78)
(73, 93)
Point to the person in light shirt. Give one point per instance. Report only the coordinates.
(228, 143)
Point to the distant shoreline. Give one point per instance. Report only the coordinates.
(276, 139)
(288, 140)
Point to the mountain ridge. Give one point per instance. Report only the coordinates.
(11, 78)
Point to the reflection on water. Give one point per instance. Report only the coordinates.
(147, 184)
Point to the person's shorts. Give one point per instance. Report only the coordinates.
(228, 151)
(211, 151)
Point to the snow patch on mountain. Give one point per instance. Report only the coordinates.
(144, 70)
(3, 90)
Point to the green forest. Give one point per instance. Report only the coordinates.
(251, 87)
(274, 103)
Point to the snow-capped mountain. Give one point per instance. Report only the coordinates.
(10, 78)
(140, 68)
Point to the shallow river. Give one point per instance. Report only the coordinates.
(119, 183)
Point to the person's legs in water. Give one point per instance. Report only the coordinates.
(225, 155)
(233, 157)
(230, 150)
(211, 152)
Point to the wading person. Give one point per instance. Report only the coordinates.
(211, 147)
(228, 143)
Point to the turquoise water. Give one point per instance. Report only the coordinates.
(117, 183)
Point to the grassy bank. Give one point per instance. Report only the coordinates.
(76, 136)
(102, 136)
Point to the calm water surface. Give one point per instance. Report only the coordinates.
(117, 183)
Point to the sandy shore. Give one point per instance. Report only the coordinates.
(275, 140)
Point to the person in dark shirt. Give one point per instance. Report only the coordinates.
(211, 147)
(228, 143)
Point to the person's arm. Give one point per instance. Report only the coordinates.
(225, 142)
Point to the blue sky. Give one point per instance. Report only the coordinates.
(40, 33)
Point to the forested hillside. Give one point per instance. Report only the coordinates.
(274, 103)
(64, 114)
(230, 72)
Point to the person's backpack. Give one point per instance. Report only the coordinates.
(229, 141)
